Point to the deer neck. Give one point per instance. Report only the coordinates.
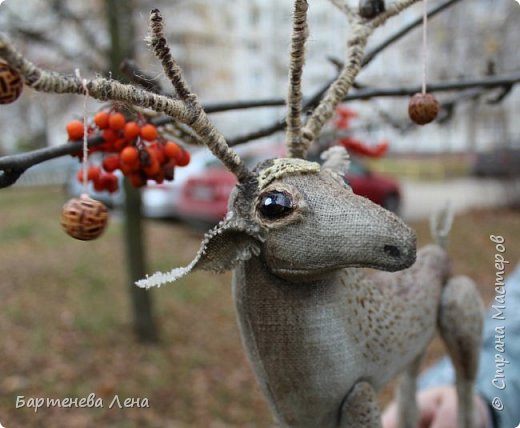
(303, 324)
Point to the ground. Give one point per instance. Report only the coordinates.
(65, 326)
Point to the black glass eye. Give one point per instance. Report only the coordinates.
(275, 205)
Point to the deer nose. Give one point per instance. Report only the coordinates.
(392, 251)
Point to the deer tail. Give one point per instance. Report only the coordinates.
(440, 225)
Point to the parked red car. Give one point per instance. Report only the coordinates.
(205, 197)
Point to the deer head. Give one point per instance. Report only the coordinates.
(301, 218)
(305, 222)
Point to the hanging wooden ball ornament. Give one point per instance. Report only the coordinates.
(11, 84)
(84, 218)
(423, 108)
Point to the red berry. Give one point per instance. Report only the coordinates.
(99, 185)
(109, 136)
(130, 156)
(75, 129)
(148, 132)
(116, 121)
(93, 172)
(153, 169)
(79, 175)
(158, 151)
(131, 130)
(111, 163)
(101, 119)
(172, 150)
(184, 159)
(110, 182)
(120, 144)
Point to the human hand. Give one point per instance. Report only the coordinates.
(437, 408)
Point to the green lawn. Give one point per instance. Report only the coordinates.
(66, 333)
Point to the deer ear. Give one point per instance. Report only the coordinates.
(229, 243)
(336, 159)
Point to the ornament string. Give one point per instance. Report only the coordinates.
(425, 44)
(85, 136)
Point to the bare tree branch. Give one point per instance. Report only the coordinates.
(368, 93)
(345, 8)
(65, 13)
(405, 30)
(14, 165)
(313, 100)
(336, 92)
(372, 53)
(103, 89)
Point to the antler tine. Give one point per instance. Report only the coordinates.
(300, 32)
(198, 119)
(361, 30)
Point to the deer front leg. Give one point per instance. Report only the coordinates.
(406, 401)
(360, 408)
(460, 323)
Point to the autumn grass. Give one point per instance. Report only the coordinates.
(66, 332)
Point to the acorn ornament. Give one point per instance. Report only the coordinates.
(11, 84)
(423, 108)
(84, 218)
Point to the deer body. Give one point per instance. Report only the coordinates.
(322, 335)
(310, 343)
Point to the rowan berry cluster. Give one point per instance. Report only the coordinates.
(136, 148)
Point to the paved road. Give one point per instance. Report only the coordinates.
(420, 199)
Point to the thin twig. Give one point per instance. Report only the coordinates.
(372, 53)
(138, 77)
(344, 7)
(336, 92)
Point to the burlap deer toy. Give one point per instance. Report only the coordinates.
(321, 333)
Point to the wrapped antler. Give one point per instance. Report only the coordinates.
(185, 108)
(294, 98)
(299, 140)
